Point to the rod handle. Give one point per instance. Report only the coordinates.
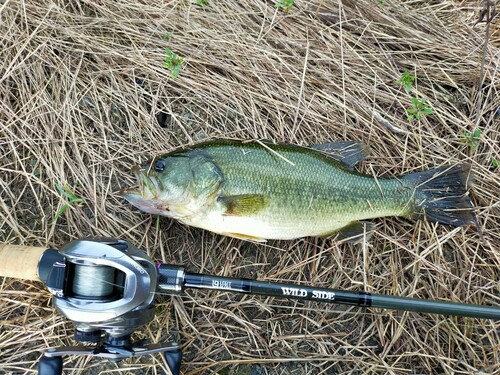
(20, 262)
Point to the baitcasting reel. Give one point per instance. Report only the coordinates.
(106, 287)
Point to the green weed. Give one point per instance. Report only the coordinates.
(495, 163)
(201, 2)
(406, 80)
(286, 5)
(172, 62)
(471, 139)
(419, 108)
(70, 196)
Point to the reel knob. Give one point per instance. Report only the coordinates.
(174, 359)
(50, 365)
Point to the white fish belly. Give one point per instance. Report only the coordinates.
(253, 227)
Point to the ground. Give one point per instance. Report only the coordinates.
(89, 88)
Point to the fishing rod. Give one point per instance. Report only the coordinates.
(106, 287)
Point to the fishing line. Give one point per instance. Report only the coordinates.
(85, 285)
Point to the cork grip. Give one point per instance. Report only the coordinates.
(20, 262)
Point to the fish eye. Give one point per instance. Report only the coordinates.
(159, 166)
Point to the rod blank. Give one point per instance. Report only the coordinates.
(301, 292)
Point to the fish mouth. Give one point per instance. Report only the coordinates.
(148, 196)
(148, 187)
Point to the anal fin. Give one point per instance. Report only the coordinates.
(354, 232)
(245, 237)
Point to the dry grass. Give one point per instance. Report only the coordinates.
(80, 88)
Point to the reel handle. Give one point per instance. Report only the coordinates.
(174, 359)
(50, 365)
(111, 349)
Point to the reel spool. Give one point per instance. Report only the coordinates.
(106, 288)
(96, 282)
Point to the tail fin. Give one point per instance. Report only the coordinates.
(441, 195)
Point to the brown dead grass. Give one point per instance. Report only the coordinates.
(73, 112)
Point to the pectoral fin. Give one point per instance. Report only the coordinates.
(353, 232)
(349, 153)
(244, 204)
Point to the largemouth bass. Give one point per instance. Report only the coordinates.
(261, 190)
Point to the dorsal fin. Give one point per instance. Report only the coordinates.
(349, 153)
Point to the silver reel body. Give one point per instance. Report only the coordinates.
(103, 284)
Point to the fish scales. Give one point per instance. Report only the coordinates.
(309, 187)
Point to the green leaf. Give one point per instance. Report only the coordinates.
(60, 212)
(471, 139)
(419, 108)
(286, 5)
(66, 191)
(172, 62)
(70, 195)
(175, 71)
(406, 80)
(495, 163)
